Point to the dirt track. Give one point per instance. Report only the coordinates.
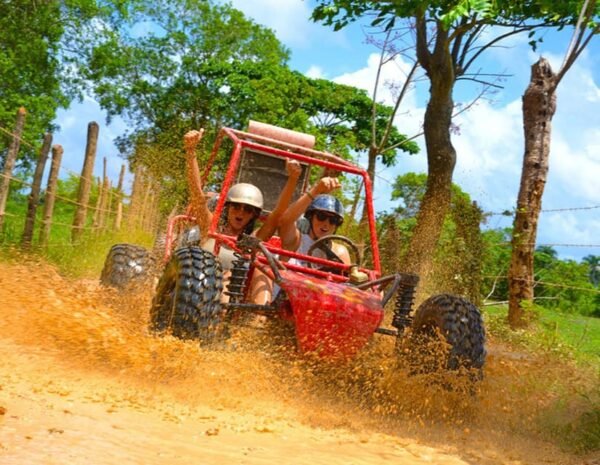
(81, 382)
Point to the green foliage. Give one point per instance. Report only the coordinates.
(496, 263)
(168, 72)
(593, 262)
(449, 13)
(42, 45)
(29, 37)
(564, 284)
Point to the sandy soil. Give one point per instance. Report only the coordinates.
(82, 382)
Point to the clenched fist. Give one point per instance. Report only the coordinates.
(191, 139)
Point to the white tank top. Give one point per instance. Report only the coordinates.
(305, 242)
(226, 255)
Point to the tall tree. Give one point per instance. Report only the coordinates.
(41, 44)
(178, 64)
(449, 37)
(29, 37)
(539, 106)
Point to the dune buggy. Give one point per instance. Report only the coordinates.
(334, 308)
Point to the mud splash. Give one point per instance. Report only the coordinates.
(71, 346)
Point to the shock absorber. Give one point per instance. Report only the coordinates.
(239, 276)
(404, 303)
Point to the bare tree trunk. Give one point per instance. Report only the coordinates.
(371, 165)
(57, 152)
(539, 105)
(9, 163)
(441, 155)
(85, 184)
(34, 195)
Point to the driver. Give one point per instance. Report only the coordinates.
(324, 213)
(243, 204)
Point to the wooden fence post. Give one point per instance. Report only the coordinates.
(96, 208)
(57, 152)
(85, 183)
(9, 163)
(104, 206)
(135, 199)
(34, 195)
(119, 214)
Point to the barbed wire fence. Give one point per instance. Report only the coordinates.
(98, 207)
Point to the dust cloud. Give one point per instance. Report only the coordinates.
(82, 381)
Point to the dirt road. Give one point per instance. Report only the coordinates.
(82, 382)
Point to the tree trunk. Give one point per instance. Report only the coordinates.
(57, 152)
(9, 162)
(371, 165)
(34, 195)
(441, 156)
(85, 183)
(539, 105)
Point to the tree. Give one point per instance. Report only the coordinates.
(539, 106)
(593, 261)
(29, 36)
(41, 45)
(211, 67)
(448, 37)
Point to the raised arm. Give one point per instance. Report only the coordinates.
(198, 206)
(289, 233)
(294, 170)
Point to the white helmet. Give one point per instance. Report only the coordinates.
(245, 193)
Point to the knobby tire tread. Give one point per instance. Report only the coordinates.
(187, 301)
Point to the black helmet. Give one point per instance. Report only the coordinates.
(326, 203)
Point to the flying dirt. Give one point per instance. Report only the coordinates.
(82, 381)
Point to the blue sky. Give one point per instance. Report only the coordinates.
(490, 142)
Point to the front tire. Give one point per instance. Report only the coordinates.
(453, 324)
(188, 297)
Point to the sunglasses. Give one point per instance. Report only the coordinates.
(243, 206)
(333, 219)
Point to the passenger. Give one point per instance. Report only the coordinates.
(243, 204)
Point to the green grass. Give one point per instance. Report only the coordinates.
(84, 259)
(552, 331)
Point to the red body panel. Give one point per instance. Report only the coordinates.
(332, 320)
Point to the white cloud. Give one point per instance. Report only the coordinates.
(290, 19)
(315, 72)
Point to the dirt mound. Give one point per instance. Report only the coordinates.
(83, 381)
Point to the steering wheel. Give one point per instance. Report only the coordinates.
(324, 244)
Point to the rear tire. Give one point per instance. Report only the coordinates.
(126, 264)
(448, 333)
(188, 297)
